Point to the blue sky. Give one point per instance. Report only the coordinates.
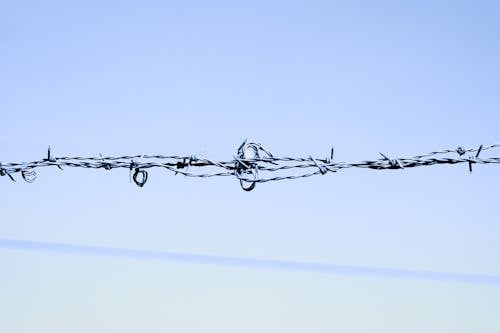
(199, 77)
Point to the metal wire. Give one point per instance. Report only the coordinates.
(252, 164)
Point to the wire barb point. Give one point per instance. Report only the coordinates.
(4, 172)
(394, 163)
(473, 159)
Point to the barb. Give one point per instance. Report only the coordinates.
(252, 164)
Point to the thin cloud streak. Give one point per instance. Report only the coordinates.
(300, 266)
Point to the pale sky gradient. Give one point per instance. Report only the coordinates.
(193, 77)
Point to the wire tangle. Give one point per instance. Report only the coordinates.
(252, 164)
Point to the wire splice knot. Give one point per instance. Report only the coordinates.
(105, 165)
(394, 163)
(460, 151)
(322, 169)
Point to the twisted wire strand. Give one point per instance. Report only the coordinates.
(253, 164)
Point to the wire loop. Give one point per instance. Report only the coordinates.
(246, 163)
(29, 175)
(140, 177)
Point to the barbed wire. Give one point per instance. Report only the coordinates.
(252, 164)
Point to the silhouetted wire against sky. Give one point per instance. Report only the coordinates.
(252, 159)
(194, 79)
